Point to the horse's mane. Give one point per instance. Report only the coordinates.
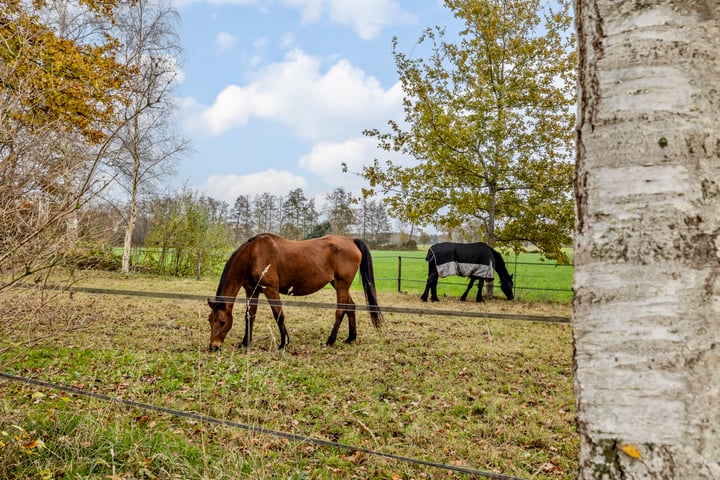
(499, 263)
(228, 264)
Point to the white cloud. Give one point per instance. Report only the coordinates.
(224, 42)
(326, 160)
(338, 103)
(366, 17)
(183, 3)
(228, 187)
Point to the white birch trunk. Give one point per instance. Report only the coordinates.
(647, 261)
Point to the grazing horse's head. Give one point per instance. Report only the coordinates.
(506, 285)
(221, 321)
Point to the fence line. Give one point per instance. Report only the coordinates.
(400, 279)
(263, 430)
(307, 304)
(250, 428)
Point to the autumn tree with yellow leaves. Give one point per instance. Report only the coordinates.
(59, 93)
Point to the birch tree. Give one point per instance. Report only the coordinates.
(647, 259)
(147, 144)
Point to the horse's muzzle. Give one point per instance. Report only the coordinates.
(214, 347)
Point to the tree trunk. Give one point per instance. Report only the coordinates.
(129, 228)
(132, 215)
(647, 265)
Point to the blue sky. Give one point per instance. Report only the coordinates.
(275, 93)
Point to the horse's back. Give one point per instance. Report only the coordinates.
(459, 251)
(303, 267)
(463, 259)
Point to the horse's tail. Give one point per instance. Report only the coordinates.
(368, 281)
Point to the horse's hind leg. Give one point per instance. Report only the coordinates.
(339, 314)
(350, 312)
(470, 284)
(345, 306)
(481, 285)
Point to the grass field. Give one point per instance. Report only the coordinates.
(492, 395)
(534, 279)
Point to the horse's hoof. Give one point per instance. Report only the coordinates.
(424, 299)
(435, 299)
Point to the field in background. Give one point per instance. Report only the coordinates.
(493, 395)
(534, 279)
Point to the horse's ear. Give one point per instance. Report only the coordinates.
(211, 304)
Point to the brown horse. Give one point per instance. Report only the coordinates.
(273, 265)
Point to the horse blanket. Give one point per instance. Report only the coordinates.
(463, 259)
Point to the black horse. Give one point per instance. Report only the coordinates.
(474, 260)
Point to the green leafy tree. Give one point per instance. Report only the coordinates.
(488, 127)
(320, 230)
(191, 233)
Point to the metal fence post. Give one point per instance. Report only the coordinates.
(399, 272)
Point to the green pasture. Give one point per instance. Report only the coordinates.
(489, 394)
(535, 280)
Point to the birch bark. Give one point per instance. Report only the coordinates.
(647, 262)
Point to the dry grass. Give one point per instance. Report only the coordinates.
(493, 395)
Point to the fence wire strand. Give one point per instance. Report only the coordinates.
(250, 428)
(261, 430)
(310, 304)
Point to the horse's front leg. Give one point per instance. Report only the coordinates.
(273, 297)
(481, 284)
(424, 295)
(431, 284)
(250, 311)
(433, 288)
(469, 287)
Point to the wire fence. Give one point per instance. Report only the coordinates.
(261, 430)
(250, 428)
(532, 280)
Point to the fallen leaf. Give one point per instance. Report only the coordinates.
(631, 451)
